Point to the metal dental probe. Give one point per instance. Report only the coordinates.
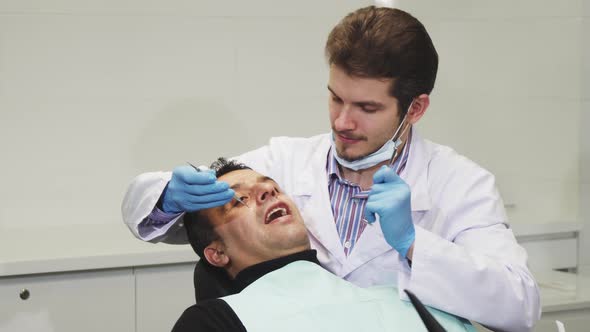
(205, 168)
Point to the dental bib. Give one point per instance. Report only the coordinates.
(302, 296)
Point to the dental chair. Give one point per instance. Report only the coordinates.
(211, 282)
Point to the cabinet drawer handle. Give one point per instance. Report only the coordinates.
(24, 294)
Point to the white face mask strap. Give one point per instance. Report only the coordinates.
(398, 142)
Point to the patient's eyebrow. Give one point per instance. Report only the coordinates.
(263, 178)
(259, 179)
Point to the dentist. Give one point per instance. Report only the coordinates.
(382, 205)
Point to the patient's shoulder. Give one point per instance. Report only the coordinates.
(209, 315)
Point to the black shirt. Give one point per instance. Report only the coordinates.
(216, 314)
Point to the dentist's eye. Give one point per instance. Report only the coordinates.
(369, 110)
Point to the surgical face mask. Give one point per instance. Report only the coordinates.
(387, 151)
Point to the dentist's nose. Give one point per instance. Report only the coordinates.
(344, 120)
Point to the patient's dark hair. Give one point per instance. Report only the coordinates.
(198, 229)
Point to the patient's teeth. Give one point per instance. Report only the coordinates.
(282, 211)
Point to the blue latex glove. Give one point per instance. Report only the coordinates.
(189, 191)
(390, 199)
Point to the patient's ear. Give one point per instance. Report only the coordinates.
(215, 254)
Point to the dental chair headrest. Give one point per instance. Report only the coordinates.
(211, 282)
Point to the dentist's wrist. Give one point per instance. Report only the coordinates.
(410, 253)
(404, 244)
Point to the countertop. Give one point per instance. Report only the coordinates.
(82, 247)
(562, 291)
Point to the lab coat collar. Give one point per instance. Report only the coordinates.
(312, 187)
(416, 175)
(312, 192)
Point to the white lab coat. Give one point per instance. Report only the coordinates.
(466, 260)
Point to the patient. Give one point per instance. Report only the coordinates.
(279, 284)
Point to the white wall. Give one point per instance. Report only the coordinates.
(585, 139)
(95, 92)
(508, 96)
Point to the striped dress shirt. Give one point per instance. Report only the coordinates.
(348, 200)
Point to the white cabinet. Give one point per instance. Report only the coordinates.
(163, 293)
(91, 278)
(574, 320)
(142, 299)
(75, 301)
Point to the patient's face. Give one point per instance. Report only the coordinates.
(270, 227)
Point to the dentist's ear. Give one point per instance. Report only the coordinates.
(418, 108)
(215, 254)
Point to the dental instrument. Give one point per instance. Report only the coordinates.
(204, 169)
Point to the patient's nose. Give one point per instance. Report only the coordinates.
(264, 192)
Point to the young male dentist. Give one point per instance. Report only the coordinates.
(381, 204)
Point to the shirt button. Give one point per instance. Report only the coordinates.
(347, 244)
(180, 224)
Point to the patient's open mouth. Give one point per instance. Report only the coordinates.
(276, 211)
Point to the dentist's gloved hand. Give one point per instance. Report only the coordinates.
(189, 191)
(390, 199)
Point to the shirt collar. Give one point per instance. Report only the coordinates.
(332, 165)
(254, 272)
